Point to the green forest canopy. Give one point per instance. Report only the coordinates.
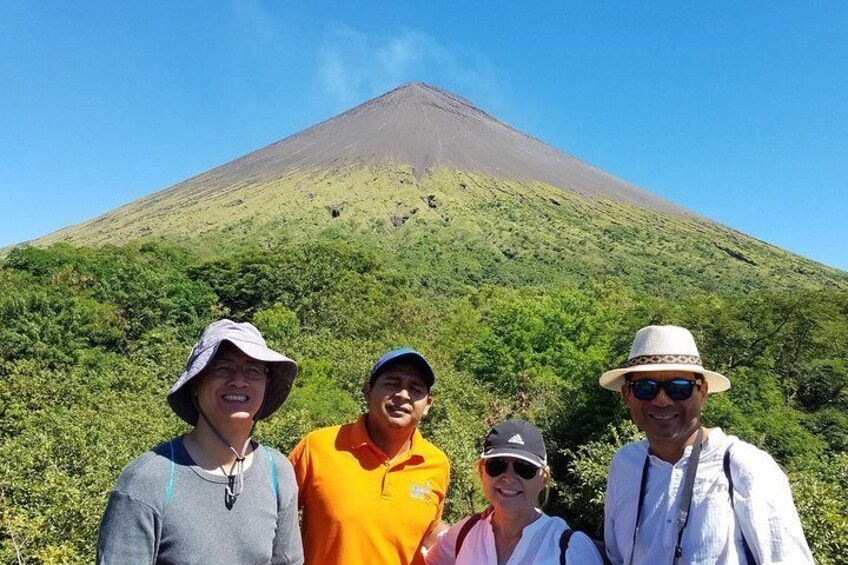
(91, 340)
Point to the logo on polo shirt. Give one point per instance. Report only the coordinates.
(516, 439)
(421, 492)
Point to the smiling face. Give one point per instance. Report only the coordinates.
(667, 421)
(509, 492)
(398, 398)
(231, 388)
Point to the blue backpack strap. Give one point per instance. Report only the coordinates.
(275, 483)
(749, 555)
(563, 544)
(169, 486)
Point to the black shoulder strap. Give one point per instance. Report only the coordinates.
(463, 532)
(563, 544)
(643, 483)
(749, 555)
(602, 551)
(726, 465)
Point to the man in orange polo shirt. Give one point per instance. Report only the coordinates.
(372, 490)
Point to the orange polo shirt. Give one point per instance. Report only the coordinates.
(358, 506)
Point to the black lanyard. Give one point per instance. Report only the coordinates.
(685, 499)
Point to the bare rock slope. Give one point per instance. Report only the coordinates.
(427, 128)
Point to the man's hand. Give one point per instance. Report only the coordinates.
(432, 534)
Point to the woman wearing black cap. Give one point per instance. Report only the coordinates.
(514, 470)
(212, 496)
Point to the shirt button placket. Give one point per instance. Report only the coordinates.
(387, 483)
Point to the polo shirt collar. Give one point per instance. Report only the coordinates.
(359, 438)
(359, 434)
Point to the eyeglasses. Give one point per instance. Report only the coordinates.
(228, 369)
(675, 389)
(497, 466)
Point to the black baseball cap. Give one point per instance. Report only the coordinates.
(518, 439)
(404, 355)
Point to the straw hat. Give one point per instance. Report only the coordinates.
(247, 338)
(664, 348)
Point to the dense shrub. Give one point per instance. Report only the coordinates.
(91, 340)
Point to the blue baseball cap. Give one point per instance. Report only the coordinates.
(403, 355)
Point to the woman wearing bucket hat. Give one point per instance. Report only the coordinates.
(690, 494)
(513, 530)
(212, 496)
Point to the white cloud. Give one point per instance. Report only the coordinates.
(354, 66)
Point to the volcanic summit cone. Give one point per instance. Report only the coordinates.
(428, 128)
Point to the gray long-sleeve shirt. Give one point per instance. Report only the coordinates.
(165, 510)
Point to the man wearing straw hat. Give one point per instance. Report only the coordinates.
(690, 494)
(213, 495)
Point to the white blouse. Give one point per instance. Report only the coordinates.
(539, 545)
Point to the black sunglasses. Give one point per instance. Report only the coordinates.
(496, 467)
(675, 389)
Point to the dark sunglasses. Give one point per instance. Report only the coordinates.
(675, 389)
(497, 466)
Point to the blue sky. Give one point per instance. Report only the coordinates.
(736, 110)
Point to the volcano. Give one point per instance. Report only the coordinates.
(420, 165)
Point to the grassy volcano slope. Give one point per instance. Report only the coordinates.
(451, 228)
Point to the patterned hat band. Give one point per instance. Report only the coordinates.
(665, 359)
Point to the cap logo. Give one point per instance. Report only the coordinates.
(516, 439)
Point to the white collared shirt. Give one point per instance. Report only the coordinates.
(539, 545)
(765, 511)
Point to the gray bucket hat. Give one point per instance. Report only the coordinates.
(246, 338)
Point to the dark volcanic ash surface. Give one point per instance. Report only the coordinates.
(427, 128)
